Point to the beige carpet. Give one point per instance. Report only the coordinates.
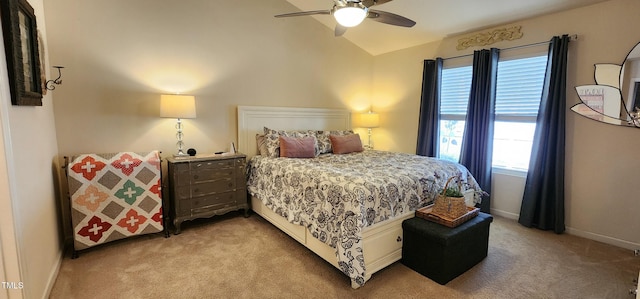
(235, 257)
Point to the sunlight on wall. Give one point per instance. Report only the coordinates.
(162, 70)
(388, 94)
(171, 79)
(383, 99)
(383, 139)
(359, 103)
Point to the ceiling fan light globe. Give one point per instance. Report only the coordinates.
(350, 16)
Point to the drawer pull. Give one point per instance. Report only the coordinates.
(196, 177)
(399, 239)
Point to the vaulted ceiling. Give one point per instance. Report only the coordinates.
(435, 19)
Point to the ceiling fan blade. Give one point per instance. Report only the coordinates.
(340, 30)
(369, 3)
(304, 13)
(389, 18)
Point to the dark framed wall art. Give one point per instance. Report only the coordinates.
(21, 46)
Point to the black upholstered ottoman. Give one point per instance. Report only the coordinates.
(442, 253)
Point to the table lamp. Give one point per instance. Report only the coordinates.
(178, 107)
(369, 120)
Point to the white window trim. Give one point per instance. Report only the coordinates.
(520, 173)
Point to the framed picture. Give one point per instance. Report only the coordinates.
(21, 47)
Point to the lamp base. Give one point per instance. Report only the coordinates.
(179, 144)
(180, 153)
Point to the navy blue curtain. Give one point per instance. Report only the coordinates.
(428, 139)
(477, 143)
(543, 199)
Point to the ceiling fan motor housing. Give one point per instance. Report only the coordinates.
(349, 13)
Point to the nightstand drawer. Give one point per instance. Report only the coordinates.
(213, 201)
(217, 186)
(210, 174)
(202, 189)
(196, 166)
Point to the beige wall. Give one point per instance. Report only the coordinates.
(30, 244)
(9, 260)
(602, 199)
(121, 55)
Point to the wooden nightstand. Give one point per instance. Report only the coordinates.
(204, 186)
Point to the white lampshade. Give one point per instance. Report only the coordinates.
(177, 106)
(351, 15)
(369, 120)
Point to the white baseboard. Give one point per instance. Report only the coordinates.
(577, 232)
(54, 274)
(504, 214)
(603, 239)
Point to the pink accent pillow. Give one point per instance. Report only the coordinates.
(346, 144)
(292, 147)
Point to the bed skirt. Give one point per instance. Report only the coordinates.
(382, 242)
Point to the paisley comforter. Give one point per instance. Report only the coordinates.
(337, 196)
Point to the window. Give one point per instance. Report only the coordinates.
(454, 95)
(518, 91)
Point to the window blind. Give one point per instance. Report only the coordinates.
(519, 88)
(454, 92)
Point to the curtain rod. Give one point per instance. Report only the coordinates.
(571, 37)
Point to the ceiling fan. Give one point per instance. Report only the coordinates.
(350, 13)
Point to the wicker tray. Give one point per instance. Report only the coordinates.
(427, 214)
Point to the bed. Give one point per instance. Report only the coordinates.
(348, 209)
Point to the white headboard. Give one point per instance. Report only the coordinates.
(253, 119)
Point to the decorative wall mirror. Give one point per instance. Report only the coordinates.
(615, 98)
(21, 48)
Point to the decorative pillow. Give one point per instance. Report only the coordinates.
(292, 147)
(324, 144)
(261, 142)
(272, 139)
(346, 144)
(272, 144)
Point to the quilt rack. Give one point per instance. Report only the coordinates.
(114, 196)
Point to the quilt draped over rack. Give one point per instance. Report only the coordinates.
(114, 196)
